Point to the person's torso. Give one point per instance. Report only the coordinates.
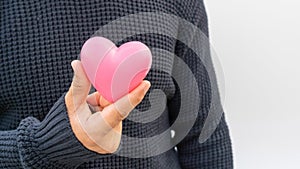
(39, 39)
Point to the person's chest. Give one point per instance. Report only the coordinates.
(40, 39)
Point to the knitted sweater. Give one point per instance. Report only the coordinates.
(39, 39)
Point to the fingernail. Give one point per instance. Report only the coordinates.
(146, 85)
(72, 64)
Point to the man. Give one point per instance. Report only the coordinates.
(41, 115)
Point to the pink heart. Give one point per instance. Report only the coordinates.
(114, 71)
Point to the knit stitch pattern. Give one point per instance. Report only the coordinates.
(39, 39)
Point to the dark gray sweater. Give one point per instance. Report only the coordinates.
(39, 39)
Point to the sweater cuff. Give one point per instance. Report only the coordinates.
(52, 143)
(9, 155)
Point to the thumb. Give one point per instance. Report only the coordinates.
(80, 85)
(115, 113)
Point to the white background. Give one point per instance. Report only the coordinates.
(258, 43)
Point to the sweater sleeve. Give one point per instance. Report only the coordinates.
(46, 144)
(216, 151)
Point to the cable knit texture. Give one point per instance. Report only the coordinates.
(39, 39)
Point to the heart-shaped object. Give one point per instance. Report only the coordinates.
(114, 71)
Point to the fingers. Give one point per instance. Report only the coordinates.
(104, 102)
(95, 99)
(137, 95)
(80, 85)
(115, 113)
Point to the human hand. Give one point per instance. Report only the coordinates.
(100, 131)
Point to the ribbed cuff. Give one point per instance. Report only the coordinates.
(51, 143)
(9, 154)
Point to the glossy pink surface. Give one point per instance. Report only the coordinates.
(114, 71)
